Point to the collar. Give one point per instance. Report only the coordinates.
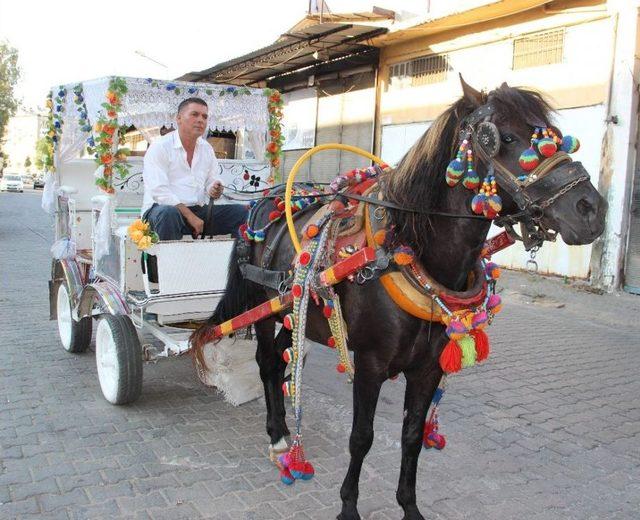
(177, 142)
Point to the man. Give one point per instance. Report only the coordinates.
(180, 173)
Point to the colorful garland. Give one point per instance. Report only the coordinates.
(109, 136)
(195, 89)
(55, 121)
(276, 139)
(83, 117)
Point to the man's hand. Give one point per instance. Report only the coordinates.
(216, 190)
(197, 224)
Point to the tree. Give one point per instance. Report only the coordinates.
(42, 149)
(9, 75)
(27, 163)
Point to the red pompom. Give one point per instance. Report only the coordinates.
(451, 358)
(281, 206)
(274, 215)
(277, 201)
(341, 368)
(287, 355)
(482, 344)
(305, 258)
(331, 342)
(296, 290)
(327, 310)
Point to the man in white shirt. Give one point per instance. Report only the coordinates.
(180, 174)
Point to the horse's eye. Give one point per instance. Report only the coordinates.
(508, 138)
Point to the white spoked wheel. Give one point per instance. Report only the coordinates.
(74, 335)
(119, 359)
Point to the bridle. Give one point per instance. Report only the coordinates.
(557, 174)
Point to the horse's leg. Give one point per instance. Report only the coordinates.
(421, 385)
(366, 389)
(272, 366)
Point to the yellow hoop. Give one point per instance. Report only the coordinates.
(294, 172)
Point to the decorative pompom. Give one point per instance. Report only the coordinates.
(403, 255)
(454, 172)
(471, 180)
(482, 344)
(331, 342)
(478, 203)
(468, 348)
(286, 477)
(274, 215)
(493, 206)
(547, 147)
(277, 201)
(431, 438)
(529, 159)
(259, 235)
(312, 230)
(296, 290)
(341, 368)
(288, 322)
(297, 469)
(456, 329)
(570, 144)
(327, 310)
(451, 358)
(249, 233)
(380, 237)
(252, 203)
(494, 304)
(281, 206)
(492, 270)
(308, 472)
(305, 258)
(480, 320)
(287, 355)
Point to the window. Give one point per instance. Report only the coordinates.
(534, 50)
(421, 71)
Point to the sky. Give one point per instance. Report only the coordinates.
(66, 41)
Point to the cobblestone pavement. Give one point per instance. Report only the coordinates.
(549, 428)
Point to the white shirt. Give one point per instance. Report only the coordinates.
(168, 178)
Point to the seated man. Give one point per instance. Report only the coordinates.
(180, 174)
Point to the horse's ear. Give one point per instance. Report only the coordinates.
(504, 85)
(470, 93)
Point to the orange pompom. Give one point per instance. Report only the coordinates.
(482, 344)
(380, 236)
(451, 358)
(402, 258)
(312, 231)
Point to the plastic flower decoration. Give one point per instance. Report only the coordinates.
(141, 234)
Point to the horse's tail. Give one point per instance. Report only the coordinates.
(234, 302)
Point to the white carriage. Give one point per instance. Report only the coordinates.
(96, 271)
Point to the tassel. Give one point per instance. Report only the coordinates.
(482, 344)
(451, 358)
(480, 320)
(468, 348)
(456, 329)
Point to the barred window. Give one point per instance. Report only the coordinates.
(420, 71)
(534, 50)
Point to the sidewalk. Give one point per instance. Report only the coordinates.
(547, 428)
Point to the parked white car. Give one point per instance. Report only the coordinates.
(11, 182)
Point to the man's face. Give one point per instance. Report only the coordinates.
(192, 120)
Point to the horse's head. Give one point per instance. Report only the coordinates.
(540, 186)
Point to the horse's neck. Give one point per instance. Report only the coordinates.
(454, 244)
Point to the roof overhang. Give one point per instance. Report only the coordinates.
(298, 49)
(483, 11)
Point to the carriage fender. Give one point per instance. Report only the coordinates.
(66, 271)
(106, 296)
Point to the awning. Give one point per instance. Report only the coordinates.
(306, 47)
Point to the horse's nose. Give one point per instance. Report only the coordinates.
(585, 207)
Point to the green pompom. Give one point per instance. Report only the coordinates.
(468, 347)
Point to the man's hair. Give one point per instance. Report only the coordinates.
(188, 101)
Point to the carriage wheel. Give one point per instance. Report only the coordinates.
(74, 335)
(119, 359)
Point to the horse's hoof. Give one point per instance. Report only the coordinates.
(277, 449)
(348, 513)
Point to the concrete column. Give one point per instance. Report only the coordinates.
(618, 145)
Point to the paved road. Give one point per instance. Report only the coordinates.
(549, 428)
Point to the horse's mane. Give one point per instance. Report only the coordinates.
(419, 179)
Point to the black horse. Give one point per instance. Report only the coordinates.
(385, 339)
